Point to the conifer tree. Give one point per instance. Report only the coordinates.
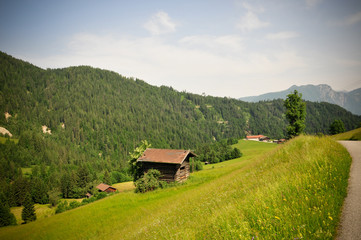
(106, 178)
(6, 217)
(28, 213)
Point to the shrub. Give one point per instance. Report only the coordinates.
(195, 165)
(101, 195)
(236, 153)
(337, 127)
(149, 182)
(88, 200)
(62, 207)
(73, 204)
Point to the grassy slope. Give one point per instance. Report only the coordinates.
(295, 191)
(45, 210)
(42, 211)
(350, 135)
(3, 140)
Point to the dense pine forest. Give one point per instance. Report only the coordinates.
(93, 118)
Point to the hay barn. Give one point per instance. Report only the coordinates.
(105, 188)
(174, 165)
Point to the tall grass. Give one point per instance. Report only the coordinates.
(293, 192)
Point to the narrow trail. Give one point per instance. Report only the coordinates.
(350, 225)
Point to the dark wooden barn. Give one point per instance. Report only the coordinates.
(172, 164)
(105, 188)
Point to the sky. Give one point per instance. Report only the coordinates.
(226, 48)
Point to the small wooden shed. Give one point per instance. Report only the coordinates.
(171, 163)
(105, 188)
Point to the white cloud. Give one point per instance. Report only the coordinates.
(221, 45)
(312, 3)
(252, 8)
(282, 35)
(251, 22)
(160, 23)
(224, 65)
(353, 19)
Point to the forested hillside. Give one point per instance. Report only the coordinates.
(96, 117)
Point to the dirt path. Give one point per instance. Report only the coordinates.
(350, 226)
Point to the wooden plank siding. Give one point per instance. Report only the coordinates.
(183, 171)
(170, 172)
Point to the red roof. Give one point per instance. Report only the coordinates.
(172, 156)
(255, 136)
(103, 187)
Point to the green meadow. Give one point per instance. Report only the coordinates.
(289, 191)
(3, 140)
(350, 135)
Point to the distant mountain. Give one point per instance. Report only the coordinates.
(351, 101)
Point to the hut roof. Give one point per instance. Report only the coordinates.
(102, 187)
(172, 156)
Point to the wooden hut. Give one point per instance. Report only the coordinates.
(105, 188)
(171, 163)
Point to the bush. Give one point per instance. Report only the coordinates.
(73, 204)
(337, 127)
(149, 182)
(62, 207)
(88, 200)
(236, 153)
(101, 195)
(195, 165)
(65, 206)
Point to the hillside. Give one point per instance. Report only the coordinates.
(354, 135)
(77, 124)
(320, 93)
(294, 191)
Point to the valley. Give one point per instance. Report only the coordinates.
(292, 190)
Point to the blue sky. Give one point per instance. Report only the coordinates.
(220, 48)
